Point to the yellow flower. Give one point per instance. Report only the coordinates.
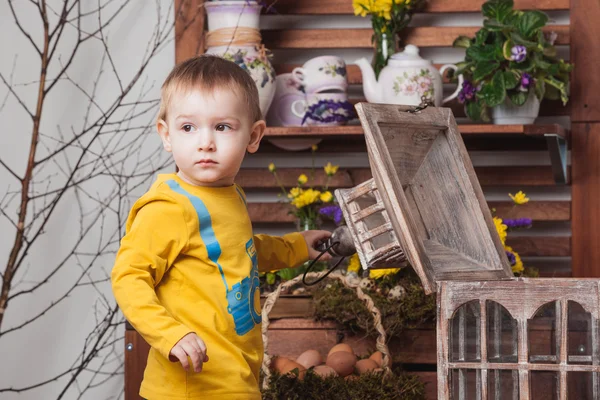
(362, 7)
(302, 179)
(306, 198)
(314, 147)
(326, 197)
(380, 273)
(330, 170)
(501, 229)
(354, 264)
(272, 167)
(519, 198)
(295, 192)
(518, 267)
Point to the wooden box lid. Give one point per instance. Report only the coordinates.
(431, 193)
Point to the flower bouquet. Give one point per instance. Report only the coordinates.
(388, 18)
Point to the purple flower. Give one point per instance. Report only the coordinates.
(526, 80)
(511, 258)
(518, 223)
(518, 53)
(467, 93)
(334, 212)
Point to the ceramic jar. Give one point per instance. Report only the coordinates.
(227, 17)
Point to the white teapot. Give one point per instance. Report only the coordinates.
(406, 80)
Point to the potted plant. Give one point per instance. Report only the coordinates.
(510, 66)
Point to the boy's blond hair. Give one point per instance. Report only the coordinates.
(209, 72)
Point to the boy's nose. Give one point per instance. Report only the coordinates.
(206, 142)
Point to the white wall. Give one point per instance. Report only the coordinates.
(53, 343)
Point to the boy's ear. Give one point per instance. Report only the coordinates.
(163, 131)
(258, 131)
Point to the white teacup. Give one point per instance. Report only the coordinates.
(300, 107)
(322, 73)
(287, 92)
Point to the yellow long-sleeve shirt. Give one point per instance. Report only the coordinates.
(189, 262)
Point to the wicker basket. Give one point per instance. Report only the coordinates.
(272, 299)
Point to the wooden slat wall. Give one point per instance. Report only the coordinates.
(260, 184)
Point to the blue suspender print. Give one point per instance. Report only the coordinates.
(240, 298)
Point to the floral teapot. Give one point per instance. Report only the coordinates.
(407, 79)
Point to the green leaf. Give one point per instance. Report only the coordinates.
(518, 98)
(494, 26)
(481, 36)
(511, 79)
(270, 278)
(549, 51)
(287, 273)
(530, 22)
(518, 39)
(481, 53)
(540, 88)
(497, 9)
(462, 42)
(494, 92)
(526, 65)
(506, 49)
(552, 93)
(541, 64)
(474, 110)
(483, 69)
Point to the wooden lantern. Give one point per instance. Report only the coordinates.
(499, 337)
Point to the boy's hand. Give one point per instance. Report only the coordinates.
(312, 239)
(190, 345)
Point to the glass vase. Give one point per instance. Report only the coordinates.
(385, 47)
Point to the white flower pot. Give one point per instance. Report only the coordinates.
(510, 114)
(229, 14)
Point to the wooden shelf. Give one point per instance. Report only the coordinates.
(344, 7)
(536, 210)
(465, 129)
(422, 36)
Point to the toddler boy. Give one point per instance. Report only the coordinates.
(186, 274)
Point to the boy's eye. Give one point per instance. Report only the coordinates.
(222, 127)
(187, 128)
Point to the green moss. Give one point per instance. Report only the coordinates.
(335, 302)
(365, 387)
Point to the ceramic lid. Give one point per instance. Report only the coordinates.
(409, 57)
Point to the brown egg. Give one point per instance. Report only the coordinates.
(292, 365)
(342, 362)
(278, 363)
(377, 357)
(324, 370)
(340, 347)
(366, 365)
(310, 358)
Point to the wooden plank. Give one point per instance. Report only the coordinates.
(291, 306)
(585, 54)
(429, 378)
(537, 210)
(465, 129)
(136, 355)
(189, 29)
(585, 224)
(320, 7)
(541, 246)
(254, 178)
(422, 36)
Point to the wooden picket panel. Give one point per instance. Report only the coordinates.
(320, 7)
(255, 178)
(536, 210)
(421, 36)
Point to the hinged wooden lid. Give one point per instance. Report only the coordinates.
(431, 193)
